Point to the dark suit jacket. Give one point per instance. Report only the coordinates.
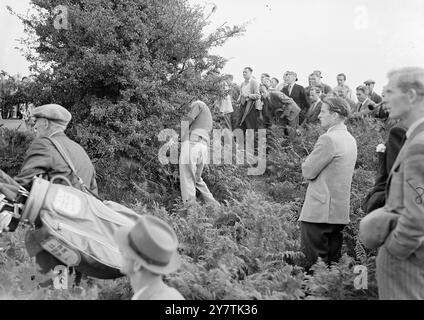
(279, 108)
(298, 94)
(376, 198)
(369, 106)
(312, 115)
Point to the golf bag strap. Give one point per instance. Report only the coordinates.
(68, 161)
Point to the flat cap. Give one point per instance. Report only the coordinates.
(53, 112)
(369, 82)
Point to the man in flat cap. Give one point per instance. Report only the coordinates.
(42, 156)
(373, 95)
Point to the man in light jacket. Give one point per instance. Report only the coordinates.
(329, 170)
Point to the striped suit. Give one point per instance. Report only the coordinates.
(398, 228)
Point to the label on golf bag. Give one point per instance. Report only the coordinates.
(67, 203)
(61, 251)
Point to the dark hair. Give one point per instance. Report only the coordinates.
(337, 105)
(249, 68)
(316, 89)
(342, 75)
(266, 75)
(275, 79)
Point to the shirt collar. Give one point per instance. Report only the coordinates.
(365, 101)
(137, 295)
(336, 126)
(414, 126)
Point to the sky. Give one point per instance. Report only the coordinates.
(362, 38)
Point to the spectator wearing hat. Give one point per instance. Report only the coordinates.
(43, 158)
(341, 85)
(365, 105)
(329, 170)
(297, 93)
(149, 251)
(373, 95)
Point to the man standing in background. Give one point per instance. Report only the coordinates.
(373, 96)
(347, 92)
(297, 93)
(249, 101)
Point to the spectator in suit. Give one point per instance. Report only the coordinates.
(397, 229)
(376, 198)
(329, 170)
(249, 101)
(373, 95)
(149, 251)
(297, 93)
(281, 110)
(364, 106)
(341, 85)
(315, 108)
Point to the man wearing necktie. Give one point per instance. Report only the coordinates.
(297, 93)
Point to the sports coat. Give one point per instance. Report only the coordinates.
(404, 204)
(329, 170)
(298, 95)
(43, 158)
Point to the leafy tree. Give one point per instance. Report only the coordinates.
(125, 69)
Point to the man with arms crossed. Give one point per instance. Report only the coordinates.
(329, 170)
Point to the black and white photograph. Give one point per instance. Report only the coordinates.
(236, 152)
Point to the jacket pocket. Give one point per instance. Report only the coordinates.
(318, 196)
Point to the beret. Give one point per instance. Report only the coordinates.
(369, 82)
(53, 112)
